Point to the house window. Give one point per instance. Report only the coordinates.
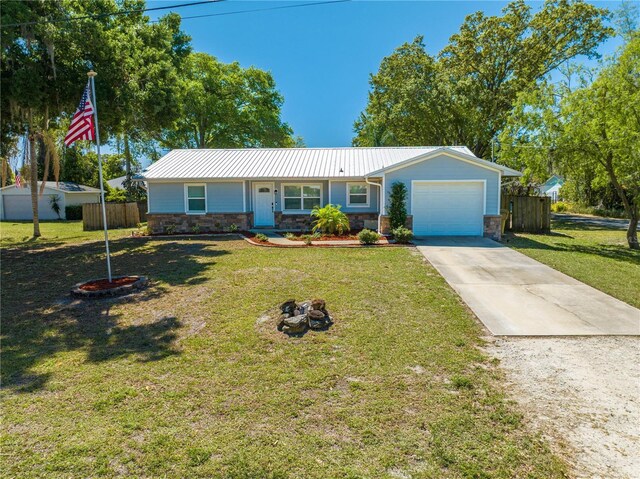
(358, 194)
(301, 197)
(196, 196)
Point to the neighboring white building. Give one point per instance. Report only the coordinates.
(15, 203)
(551, 187)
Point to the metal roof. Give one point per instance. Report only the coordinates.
(287, 162)
(65, 186)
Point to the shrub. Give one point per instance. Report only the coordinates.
(307, 239)
(263, 238)
(195, 229)
(330, 220)
(289, 235)
(170, 229)
(233, 228)
(368, 237)
(559, 207)
(73, 212)
(402, 234)
(397, 205)
(54, 202)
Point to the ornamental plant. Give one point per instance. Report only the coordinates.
(368, 237)
(402, 234)
(330, 220)
(397, 209)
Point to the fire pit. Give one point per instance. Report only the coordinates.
(102, 287)
(296, 318)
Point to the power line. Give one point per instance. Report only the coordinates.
(237, 12)
(102, 15)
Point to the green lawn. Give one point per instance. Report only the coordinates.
(594, 255)
(20, 233)
(183, 381)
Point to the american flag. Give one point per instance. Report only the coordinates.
(18, 180)
(81, 127)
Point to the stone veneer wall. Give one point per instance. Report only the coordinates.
(210, 222)
(493, 227)
(303, 222)
(385, 224)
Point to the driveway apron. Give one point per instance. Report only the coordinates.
(514, 295)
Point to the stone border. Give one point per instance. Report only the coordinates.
(140, 283)
(347, 244)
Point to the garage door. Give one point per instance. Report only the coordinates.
(18, 207)
(448, 208)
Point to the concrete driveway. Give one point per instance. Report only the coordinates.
(514, 295)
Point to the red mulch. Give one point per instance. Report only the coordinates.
(348, 237)
(102, 284)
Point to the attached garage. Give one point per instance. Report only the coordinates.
(442, 208)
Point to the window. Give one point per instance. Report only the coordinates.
(358, 194)
(301, 197)
(196, 196)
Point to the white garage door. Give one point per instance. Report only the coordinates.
(18, 207)
(448, 208)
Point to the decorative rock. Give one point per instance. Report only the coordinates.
(317, 319)
(318, 304)
(296, 324)
(288, 306)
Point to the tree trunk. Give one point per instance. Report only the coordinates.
(33, 181)
(127, 157)
(629, 205)
(632, 230)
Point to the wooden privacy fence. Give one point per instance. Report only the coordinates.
(528, 214)
(119, 215)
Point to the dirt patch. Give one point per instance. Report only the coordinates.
(584, 394)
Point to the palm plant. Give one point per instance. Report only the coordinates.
(330, 220)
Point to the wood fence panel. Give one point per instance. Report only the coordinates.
(142, 211)
(119, 215)
(528, 214)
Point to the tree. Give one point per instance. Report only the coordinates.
(44, 67)
(398, 205)
(226, 106)
(465, 94)
(593, 131)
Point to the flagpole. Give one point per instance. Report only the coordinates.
(91, 74)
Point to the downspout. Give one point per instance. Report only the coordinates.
(380, 199)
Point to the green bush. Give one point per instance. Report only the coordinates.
(559, 207)
(233, 228)
(307, 239)
(397, 205)
(263, 238)
(368, 237)
(170, 229)
(330, 220)
(290, 236)
(195, 229)
(402, 234)
(73, 212)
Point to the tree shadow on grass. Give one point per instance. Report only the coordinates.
(40, 320)
(615, 252)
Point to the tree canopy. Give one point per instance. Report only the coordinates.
(463, 96)
(590, 133)
(227, 106)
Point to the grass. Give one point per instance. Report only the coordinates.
(186, 381)
(20, 233)
(595, 255)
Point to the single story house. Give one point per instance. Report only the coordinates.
(450, 191)
(15, 202)
(551, 187)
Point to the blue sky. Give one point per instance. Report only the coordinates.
(321, 56)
